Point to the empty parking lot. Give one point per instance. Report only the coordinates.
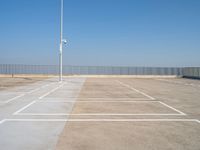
(101, 114)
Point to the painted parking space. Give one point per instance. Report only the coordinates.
(113, 122)
(118, 112)
(33, 134)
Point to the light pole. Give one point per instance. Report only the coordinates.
(61, 43)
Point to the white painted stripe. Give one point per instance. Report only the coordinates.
(142, 101)
(23, 108)
(42, 114)
(145, 114)
(105, 98)
(113, 98)
(95, 114)
(33, 91)
(102, 120)
(53, 90)
(2, 121)
(37, 89)
(128, 86)
(45, 86)
(135, 120)
(35, 120)
(172, 108)
(14, 98)
(24, 93)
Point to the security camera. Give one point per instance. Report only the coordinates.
(64, 41)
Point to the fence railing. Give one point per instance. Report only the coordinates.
(191, 72)
(87, 70)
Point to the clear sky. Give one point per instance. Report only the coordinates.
(101, 32)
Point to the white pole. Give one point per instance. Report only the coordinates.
(61, 42)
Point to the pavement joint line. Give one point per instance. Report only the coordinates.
(101, 120)
(53, 90)
(134, 89)
(172, 108)
(23, 108)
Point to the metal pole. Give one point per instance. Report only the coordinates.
(61, 42)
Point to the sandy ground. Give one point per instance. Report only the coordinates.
(139, 114)
(7, 82)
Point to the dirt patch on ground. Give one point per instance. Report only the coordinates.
(7, 82)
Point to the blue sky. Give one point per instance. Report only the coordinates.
(101, 32)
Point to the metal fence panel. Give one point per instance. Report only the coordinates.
(192, 72)
(98, 70)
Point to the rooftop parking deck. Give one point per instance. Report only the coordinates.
(101, 113)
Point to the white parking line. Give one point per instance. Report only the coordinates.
(23, 108)
(106, 98)
(101, 114)
(53, 90)
(37, 89)
(24, 93)
(172, 108)
(32, 91)
(102, 120)
(128, 86)
(113, 98)
(94, 114)
(148, 114)
(118, 101)
(14, 98)
(2, 121)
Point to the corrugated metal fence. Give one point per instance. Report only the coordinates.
(87, 70)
